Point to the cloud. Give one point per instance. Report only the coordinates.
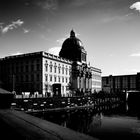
(135, 6)
(26, 30)
(107, 19)
(17, 53)
(54, 50)
(18, 23)
(47, 4)
(13, 25)
(61, 40)
(135, 54)
(79, 3)
(129, 14)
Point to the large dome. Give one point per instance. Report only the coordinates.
(72, 48)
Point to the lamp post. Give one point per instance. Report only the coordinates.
(13, 83)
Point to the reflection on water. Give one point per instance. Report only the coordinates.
(96, 121)
(116, 127)
(122, 121)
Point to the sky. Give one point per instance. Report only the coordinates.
(108, 29)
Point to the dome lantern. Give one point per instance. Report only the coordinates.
(72, 33)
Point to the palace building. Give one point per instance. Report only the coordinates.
(40, 72)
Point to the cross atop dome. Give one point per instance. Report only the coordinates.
(72, 33)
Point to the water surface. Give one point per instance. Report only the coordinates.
(119, 122)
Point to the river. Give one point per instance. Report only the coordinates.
(118, 122)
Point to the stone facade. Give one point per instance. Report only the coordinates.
(55, 70)
(34, 72)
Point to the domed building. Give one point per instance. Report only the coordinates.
(72, 49)
(82, 77)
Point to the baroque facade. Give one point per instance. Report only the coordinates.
(83, 75)
(37, 72)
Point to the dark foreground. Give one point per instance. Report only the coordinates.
(21, 126)
(104, 118)
(119, 121)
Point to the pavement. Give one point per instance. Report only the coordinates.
(19, 125)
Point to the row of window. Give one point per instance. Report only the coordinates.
(56, 69)
(97, 77)
(26, 78)
(24, 68)
(27, 87)
(97, 83)
(126, 86)
(25, 62)
(51, 78)
(55, 64)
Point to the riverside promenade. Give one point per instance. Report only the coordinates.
(26, 127)
(66, 103)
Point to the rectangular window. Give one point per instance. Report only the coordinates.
(55, 66)
(63, 69)
(32, 77)
(59, 67)
(69, 71)
(37, 61)
(55, 79)
(32, 67)
(46, 67)
(107, 81)
(50, 78)
(59, 80)
(26, 68)
(38, 66)
(37, 78)
(54, 69)
(62, 89)
(26, 78)
(62, 79)
(21, 68)
(17, 69)
(50, 68)
(46, 78)
(59, 70)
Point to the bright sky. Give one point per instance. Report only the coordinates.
(109, 30)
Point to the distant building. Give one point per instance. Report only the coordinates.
(37, 72)
(121, 83)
